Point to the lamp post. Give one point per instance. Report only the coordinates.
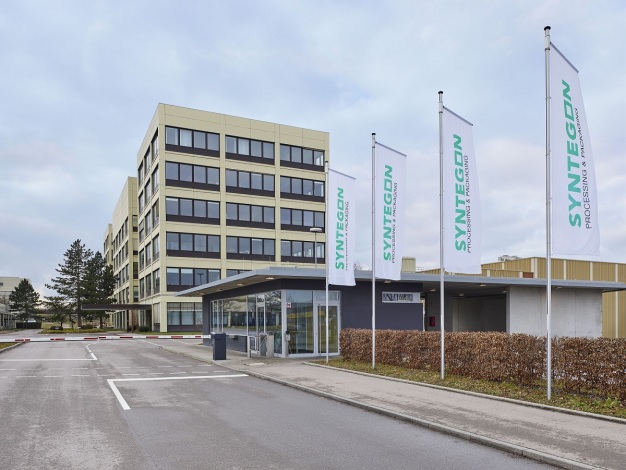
(315, 230)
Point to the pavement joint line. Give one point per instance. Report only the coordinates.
(481, 395)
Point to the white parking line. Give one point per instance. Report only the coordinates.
(125, 406)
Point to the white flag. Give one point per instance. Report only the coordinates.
(389, 224)
(462, 218)
(575, 228)
(341, 227)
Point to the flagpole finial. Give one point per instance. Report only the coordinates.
(441, 92)
(547, 28)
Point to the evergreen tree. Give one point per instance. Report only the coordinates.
(24, 300)
(99, 285)
(69, 285)
(57, 310)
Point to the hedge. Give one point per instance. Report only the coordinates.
(593, 366)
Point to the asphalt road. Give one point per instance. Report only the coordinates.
(131, 405)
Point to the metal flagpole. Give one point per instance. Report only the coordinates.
(441, 267)
(373, 250)
(326, 256)
(548, 218)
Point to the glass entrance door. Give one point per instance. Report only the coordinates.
(333, 330)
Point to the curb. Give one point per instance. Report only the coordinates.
(529, 404)
(8, 348)
(514, 449)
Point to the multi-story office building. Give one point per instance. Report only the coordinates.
(218, 195)
(7, 285)
(121, 252)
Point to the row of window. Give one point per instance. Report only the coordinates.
(198, 176)
(184, 314)
(150, 284)
(250, 148)
(249, 180)
(151, 187)
(182, 278)
(250, 246)
(150, 252)
(249, 213)
(151, 154)
(299, 249)
(192, 242)
(192, 210)
(300, 155)
(208, 246)
(299, 186)
(197, 140)
(301, 218)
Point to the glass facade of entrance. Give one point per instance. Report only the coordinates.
(295, 318)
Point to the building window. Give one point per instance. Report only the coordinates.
(184, 316)
(156, 277)
(184, 175)
(184, 278)
(249, 150)
(155, 214)
(155, 180)
(262, 249)
(297, 251)
(299, 157)
(155, 146)
(192, 210)
(156, 250)
(301, 220)
(140, 173)
(246, 215)
(244, 182)
(192, 141)
(193, 245)
(141, 202)
(301, 189)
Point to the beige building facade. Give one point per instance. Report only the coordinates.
(218, 195)
(121, 244)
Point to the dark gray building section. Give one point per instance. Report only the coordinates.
(356, 307)
(356, 302)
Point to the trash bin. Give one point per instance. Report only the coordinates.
(263, 344)
(270, 344)
(219, 346)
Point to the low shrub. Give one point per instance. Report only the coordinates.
(143, 328)
(591, 366)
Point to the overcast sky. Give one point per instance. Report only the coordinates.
(81, 80)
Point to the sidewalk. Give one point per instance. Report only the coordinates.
(565, 439)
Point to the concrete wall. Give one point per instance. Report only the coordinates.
(575, 312)
(479, 314)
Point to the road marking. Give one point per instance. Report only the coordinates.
(52, 376)
(125, 406)
(161, 373)
(106, 375)
(8, 369)
(131, 374)
(24, 376)
(33, 360)
(81, 375)
(174, 373)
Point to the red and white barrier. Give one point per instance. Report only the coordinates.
(97, 338)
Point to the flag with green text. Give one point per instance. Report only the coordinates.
(462, 219)
(389, 193)
(341, 236)
(574, 203)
